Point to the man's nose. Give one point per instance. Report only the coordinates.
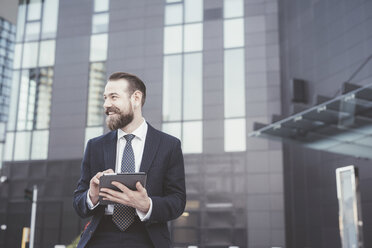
(106, 103)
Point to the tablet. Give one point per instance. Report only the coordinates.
(128, 179)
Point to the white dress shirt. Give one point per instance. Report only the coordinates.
(138, 145)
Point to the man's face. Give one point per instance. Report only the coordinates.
(118, 105)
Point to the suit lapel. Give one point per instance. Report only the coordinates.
(110, 151)
(151, 147)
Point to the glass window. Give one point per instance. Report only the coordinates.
(21, 22)
(233, 8)
(173, 14)
(23, 99)
(50, 19)
(172, 128)
(47, 52)
(235, 139)
(173, 1)
(1, 154)
(173, 39)
(40, 141)
(34, 10)
(234, 83)
(22, 142)
(97, 81)
(100, 23)
(192, 137)
(193, 11)
(92, 132)
(233, 33)
(193, 37)
(101, 5)
(44, 98)
(17, 56)
(13, 101)
(30, 52)
(172, 88)
(193, 88)
(31, 102)
(32, 31)
(98, 47)
(9, 144)
(2, 134)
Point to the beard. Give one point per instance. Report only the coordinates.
(120, 120)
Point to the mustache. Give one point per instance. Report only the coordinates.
(112, 109)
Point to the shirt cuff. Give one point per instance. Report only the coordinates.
(144, 216)
(90, 203)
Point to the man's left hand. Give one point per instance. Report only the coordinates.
(136, 199)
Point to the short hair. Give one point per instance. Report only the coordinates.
(134, 83)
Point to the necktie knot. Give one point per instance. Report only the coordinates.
(129, 137)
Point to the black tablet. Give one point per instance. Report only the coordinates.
(128, 179)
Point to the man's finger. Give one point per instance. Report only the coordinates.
(139, 187)
(121, 186)
(108, 171)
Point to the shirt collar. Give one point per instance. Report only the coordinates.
(140, 132)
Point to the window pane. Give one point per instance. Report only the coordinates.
(22, 102)
(13, 101)
(100, 23)
(31, 101)
(234, 83)
(40, 141)
(44, 98)
(173, 1)
(193, 11)
(193, 37)
(9, 144)
(34, 10)
(47, 52)
(30, 52)
(172, 88)
(192, 141)
(173, 128)
(22, 142)
(21, 22)
(173, 14)
(92, 132)
(233, 33)
(193, 88)
(233, 8)
(97, 80)
(101, 5)
(17, 56)
(235, 135)
(1, 154)
(50, 19)
(173, 39)
(32, 31)
(98, 47)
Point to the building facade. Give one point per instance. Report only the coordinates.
(211, 70)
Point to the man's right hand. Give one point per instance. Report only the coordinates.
(94, 186)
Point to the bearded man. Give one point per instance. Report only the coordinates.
(139, 217)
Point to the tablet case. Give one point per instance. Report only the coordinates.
(128, 179)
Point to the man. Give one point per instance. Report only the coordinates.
(135, 144)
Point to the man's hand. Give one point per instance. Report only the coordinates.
(136, 199)
(94, 186)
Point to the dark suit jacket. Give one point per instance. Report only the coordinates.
(162, 160)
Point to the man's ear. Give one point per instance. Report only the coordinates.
(137, 98)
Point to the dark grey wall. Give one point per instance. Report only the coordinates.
(56, 220)
(322, 42)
